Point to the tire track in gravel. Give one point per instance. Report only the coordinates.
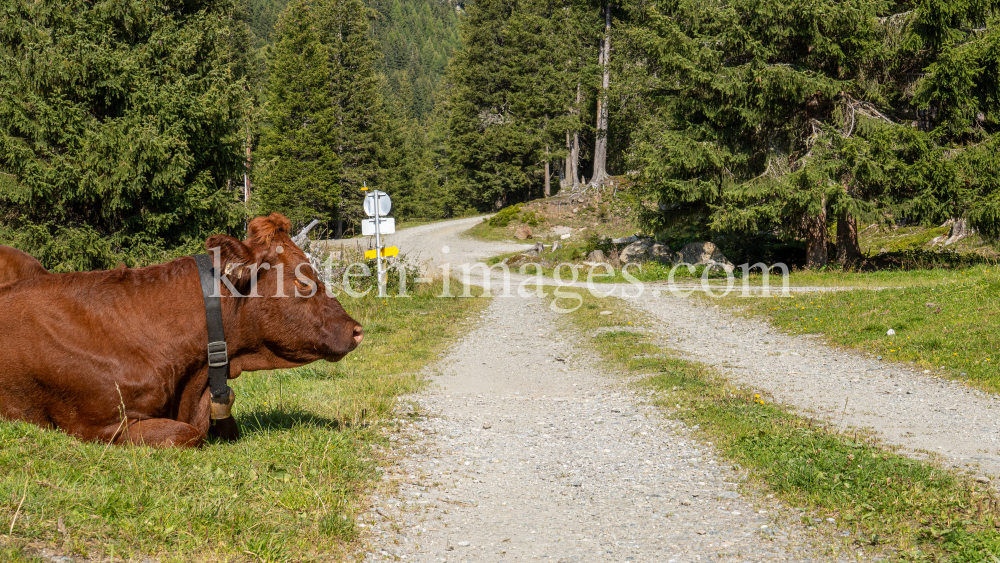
(531, 453)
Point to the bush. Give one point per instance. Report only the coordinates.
(530, 218)
(597, 242)
(505, 216)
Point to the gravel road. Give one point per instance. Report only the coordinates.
(918, 411)
(436, 243)
(905, 407)
(531, 453)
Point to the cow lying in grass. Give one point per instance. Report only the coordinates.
(120, 356)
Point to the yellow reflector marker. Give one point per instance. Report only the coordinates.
(387, 252)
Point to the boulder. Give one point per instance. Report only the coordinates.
(625, 240)
(597, 256)
(638, 251)
(703, 254)
(661, 253)
(523, 232)
(560, 230)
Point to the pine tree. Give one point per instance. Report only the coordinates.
(298, 171)
(327, 128)
(774, 116)
(516, 97)
(362, 127)
(121, 129)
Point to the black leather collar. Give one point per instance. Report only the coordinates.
(218, 353)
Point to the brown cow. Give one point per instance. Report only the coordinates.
(120, 356)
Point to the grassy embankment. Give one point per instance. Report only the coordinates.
(948, 327)
(897, 257)
(290, 489)
(916, 511)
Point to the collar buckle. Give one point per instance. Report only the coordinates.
(218, 354)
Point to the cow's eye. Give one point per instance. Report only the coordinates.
(303, 287)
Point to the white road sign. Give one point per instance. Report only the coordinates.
(386, 226)
(384, 204)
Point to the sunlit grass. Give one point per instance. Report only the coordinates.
(289, 490)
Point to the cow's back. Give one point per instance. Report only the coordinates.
(101, 339)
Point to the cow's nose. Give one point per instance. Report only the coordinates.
(359, 334)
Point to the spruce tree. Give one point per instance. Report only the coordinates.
(122, 129)
(768, 116)
(516, 97)
(326, 131)
(298, 171)
(355, 93)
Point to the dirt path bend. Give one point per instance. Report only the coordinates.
(436, 243)
(905, 407)
(532, 454)
(850, 389)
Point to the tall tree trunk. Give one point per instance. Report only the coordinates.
(848, 249)
(601, 144)
(573, 166)
(568, 163)
(246, 173)
(548, 177)
(576, 159)
(816, 238)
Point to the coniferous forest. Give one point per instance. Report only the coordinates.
(131, 131)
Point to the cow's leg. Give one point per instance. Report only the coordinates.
(161, 432)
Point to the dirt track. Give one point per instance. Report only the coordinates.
(532, 453)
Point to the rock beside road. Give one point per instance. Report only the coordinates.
(704, 254)
(661, 253)
(523, 232)
(695, 253)
(597, 256)
(637, 251)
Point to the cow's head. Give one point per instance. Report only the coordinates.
(294, 315)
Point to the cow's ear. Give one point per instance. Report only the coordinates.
(235, 258)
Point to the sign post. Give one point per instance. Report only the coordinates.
(377, 205)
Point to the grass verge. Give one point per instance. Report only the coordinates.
(946, 327)
(289, 490)
(834, 276)
(914, 509)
